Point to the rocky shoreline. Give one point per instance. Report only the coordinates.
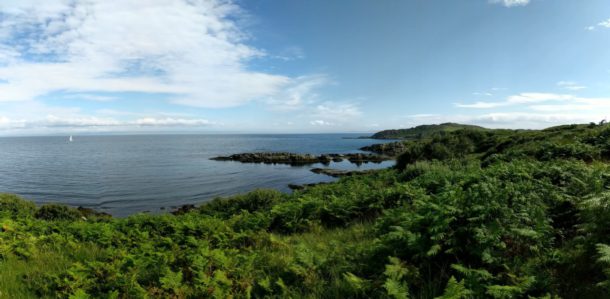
(295, 159)
(302, 159)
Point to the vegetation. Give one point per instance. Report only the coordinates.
(423, 131)
(465, 214)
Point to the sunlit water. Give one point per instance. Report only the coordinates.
(122, 175)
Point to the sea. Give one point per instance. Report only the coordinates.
(127, 174)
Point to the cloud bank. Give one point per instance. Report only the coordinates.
(532, 110)
(555, 102)
(191, 53)
(511, 3)
(191, 50)
(84, 122)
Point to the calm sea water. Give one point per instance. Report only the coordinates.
(122, 175)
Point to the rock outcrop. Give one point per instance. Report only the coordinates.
(301, 159)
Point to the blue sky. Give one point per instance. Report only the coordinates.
(300, 66)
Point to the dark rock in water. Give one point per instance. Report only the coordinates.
(183, 209)
(273, 158)
(364, 158)
(391, 149)
(337, 172)
(296, 187)
(300, 159)
(336, 157)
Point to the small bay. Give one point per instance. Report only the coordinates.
(126, 174)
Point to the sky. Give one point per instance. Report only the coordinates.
(291, 66)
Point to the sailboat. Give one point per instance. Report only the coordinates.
(70, 138)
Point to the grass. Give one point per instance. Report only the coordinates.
(18, 274)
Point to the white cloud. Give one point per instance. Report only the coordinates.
(31, 117)
(192, 50)
(7, 123)
(570, 85)
(533, 120)
(334, 114)
(534, 110)
(602, 24)
(337, 111)
(481, 105)
(91, 97)
(536, 97)
(86, 121)
(168, 121)
(302, 100)
(519, 99)
(320, 122)
(511, 3)
(83, 121)
(564, 107)
(546, 102)
(299, 93)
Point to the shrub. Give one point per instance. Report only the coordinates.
(57, 212)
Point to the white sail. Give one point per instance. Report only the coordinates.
(70, 138)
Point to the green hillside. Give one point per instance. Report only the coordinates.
(422, 131)
(465, 214)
